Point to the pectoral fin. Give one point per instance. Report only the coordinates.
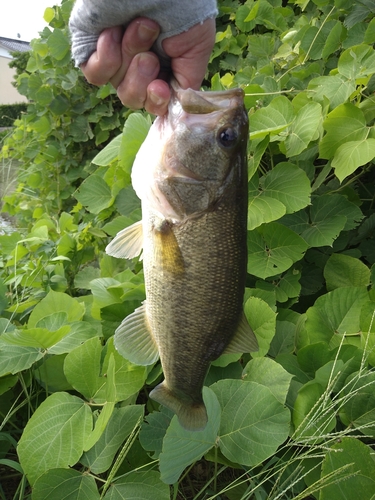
(167, 251)
(128, 243)
(134, 339)
(244, 339)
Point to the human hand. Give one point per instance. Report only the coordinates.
(125, 60)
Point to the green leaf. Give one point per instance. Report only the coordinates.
(80, 331)
(342, 270)
(262, 320)
(35, 337)
(256, 154)
(313, 42)
(280, 184)
(354, 459)
(58, 43)
(345, 123)
(85, 276)
(267, 372)
(273, 248)
(333, 40)
(273, 119)
(109, 153)
(106, 291)
(262, 209)
(138, 485)
(303, 129)
(154, 429)
(44, 95)
(54, 321)
(100, 457)
(129, 378)
(53, 303)
(65, 483)
(49, 14)
(42, 126)
(357, 62)
(182, 448)
(128, 203)
(59, 105)
(312, 357)
(253, 422)
(135, 131)
(14, 359)
(288, 286)
(370, 32)
(367, 325)
(54, 435)
(50, 374)
(348, 157)
(108, 407)
(336, 314)
(359, 409)
(361, 10)
(245, 16)
(95, 194)
(283, 341)
(330, 214)
(310, 415)
(7, 382)
(82, 369)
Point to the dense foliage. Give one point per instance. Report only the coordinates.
(10, 112)
(19, 63)
(291, 421)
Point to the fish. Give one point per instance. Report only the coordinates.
(190, 174)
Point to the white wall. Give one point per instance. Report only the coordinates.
(8, 93)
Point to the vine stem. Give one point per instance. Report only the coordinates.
(311, 45)
(317, 34)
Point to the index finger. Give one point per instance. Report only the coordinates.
(106, 60)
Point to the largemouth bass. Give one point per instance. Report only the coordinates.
(191, 176)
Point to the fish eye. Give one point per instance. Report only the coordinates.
(227, 137)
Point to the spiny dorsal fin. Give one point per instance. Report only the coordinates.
(128, 243)
(244, 339)
(134, 339)
(167, 250)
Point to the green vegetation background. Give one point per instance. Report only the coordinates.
(294, 421)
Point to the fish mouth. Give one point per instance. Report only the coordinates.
(187, 106)
(200, 102)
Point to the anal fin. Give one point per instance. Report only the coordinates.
(128, 243)
(244, 339)
(134, 340)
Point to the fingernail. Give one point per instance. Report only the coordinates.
(147, 64)
(146, 33)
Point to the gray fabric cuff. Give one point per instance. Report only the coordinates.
(90, 17)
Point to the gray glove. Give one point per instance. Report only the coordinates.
(90, 17)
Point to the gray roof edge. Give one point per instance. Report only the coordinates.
(14, 45)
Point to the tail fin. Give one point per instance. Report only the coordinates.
(192, 416)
